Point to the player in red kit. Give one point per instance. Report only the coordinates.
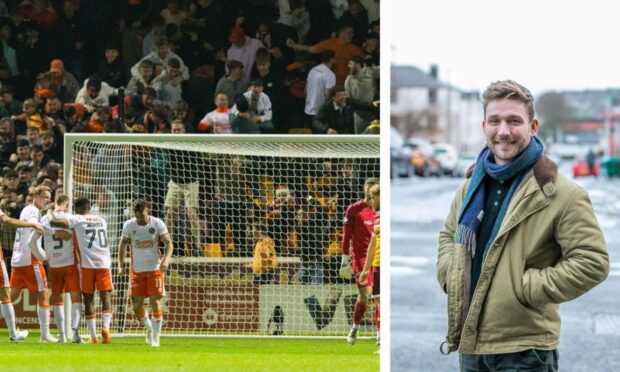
(358, 224)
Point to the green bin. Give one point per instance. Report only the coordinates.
(612, 166)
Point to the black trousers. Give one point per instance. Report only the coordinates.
(532, 360)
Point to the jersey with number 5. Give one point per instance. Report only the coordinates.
(59, 252)
(90, 235)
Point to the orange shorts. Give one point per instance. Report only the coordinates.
(31, 277)
(100, 279)
(4, 275)
(64, 279)
(146, 284)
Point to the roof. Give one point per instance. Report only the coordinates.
(588, 104)
(412, 77)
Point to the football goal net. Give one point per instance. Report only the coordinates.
(256, 223)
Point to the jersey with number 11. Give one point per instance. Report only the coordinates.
(90, 235)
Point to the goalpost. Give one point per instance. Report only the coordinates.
(243, 193)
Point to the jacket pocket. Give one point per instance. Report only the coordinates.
(443, 273)
(454, 284)
(529, 289)
(520, 287)
(543, 357)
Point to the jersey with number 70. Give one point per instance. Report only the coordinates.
(90, 235)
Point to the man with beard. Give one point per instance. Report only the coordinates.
(520, 239)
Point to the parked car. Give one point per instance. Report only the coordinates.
(581, 168)
(423, 157)
(447, 157)
(463, 164)
(400, 157)
(404, 166)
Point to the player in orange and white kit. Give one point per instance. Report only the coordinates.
(143, 234)
(62, 269)
(27, 271)
(373, 258)
(6, 306)
(90, 234)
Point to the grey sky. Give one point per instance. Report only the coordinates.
(544, 45)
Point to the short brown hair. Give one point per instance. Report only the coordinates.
(161, 41)
(146, 63)
(508, 89)
(61, 199)
(40, 189)
(30, 102)
(47, 134)
(233, 64)
(180, 105)
(140, 205)
(262, 57)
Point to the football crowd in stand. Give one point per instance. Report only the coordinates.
(293, 207)
(202, 66)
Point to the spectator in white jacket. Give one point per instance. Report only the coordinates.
(260, 105)
(362, 85)
(95, 93)
(161, 55)
(168, 83)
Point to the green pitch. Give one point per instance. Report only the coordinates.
(182, 354)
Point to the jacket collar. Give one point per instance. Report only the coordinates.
(545, 171)
(532, 195)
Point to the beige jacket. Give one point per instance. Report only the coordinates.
(361, 86)
(548, 250)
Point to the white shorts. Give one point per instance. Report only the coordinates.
(178, 193)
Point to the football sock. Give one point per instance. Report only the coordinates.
(44, 320)
(145, 321)
(90, 323)
(377, 317)
(358, 313)
(157, 323)
(76, 314)
(9, 316)
(59, 315)
(107, 318)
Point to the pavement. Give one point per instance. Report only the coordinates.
(590, 337)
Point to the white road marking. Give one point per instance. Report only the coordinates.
(409, 265)
(405, 271)
(608, 324)
(414, 236)
(615, 268)
(411, 260)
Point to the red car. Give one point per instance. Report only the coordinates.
(580, 168)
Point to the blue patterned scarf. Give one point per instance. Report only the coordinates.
(473, 204)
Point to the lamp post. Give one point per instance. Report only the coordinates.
(449, 131)
(610, 127)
